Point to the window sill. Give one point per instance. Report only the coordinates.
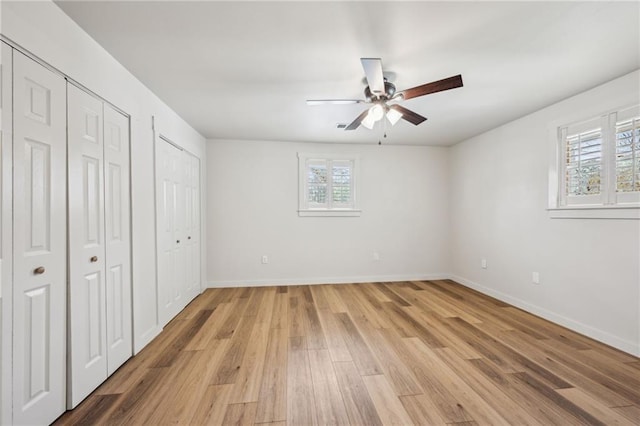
(329, 213)
(595, 212)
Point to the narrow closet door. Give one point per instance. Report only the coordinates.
(117, 238)
(192, 225)
(170, 216)
(39, 244)
(87, 316)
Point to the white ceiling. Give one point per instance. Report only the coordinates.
(243, 70)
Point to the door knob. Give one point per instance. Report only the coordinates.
(189, 237)
(39, 270)
(178, 241)
(94, 259)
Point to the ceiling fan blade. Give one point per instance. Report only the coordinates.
(356, 123)
(334, 101)
(433, 87)
(407, 114)
(373, 71)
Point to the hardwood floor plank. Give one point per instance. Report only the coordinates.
(581, 415)
(336, 304)
(296, 318)
(360, 353)
(393, 368)
(272, 401)
(389, 408)
(594, 407)
(228, 369)
(213, 406)
(630, 412)
(422, 410)
(532, 402)
(280, 311)
(183, 407)
(301, 408)
(409, 326)
(93, 410)
(240, 414)
(127, 407)
(633, 364)
(492, 394)
(229, 326)
(167, 391)
(447, 379)
(313, 328)
(210, 328)
(622, 389)
(319, 297)
(423, 352)
(436, 325)
(333, 332)
(249, 378)
(360, 408)
(171, 353)
(329, 404)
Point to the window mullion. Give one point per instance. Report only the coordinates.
(329, 184)
(562, 176)
(609, 158)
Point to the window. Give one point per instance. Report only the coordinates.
(628, 155)
(327, 185)
(599, 162)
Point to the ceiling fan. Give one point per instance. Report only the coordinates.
(381, 92)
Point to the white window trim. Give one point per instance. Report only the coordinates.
(609, 204)
(303, 205)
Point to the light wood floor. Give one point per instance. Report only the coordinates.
(428, 353)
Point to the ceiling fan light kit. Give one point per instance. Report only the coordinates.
(380, 91)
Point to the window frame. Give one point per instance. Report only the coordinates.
(307, 208)
(609, 204)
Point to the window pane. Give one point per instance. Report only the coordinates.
(341, 194)
(584, 163)
(341, 181)
(628, 155)
(317, 173)
(317, 193)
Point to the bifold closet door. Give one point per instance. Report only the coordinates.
(117, 238)
(87, 292)
(39, 243)
(192, 224)
(170, 213)
(99, 243)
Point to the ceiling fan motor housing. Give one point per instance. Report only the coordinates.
(389, 91)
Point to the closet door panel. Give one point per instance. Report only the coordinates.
(192, 225)
(87, 293)
(39, 247)
(170, 228)
(117, 238)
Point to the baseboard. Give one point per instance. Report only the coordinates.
(587, 330)
(327, 280)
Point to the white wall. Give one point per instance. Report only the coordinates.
(45, 31)
(589, 268)
(252, 211)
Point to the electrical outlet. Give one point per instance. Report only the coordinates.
(265, 259)
(376, 256)
(483, 263)
(535, 277)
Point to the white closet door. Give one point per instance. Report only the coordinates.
(87, 316)
(117, 238)
(170, 228)
(6, 164)
(40, 245)
(192, 225)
